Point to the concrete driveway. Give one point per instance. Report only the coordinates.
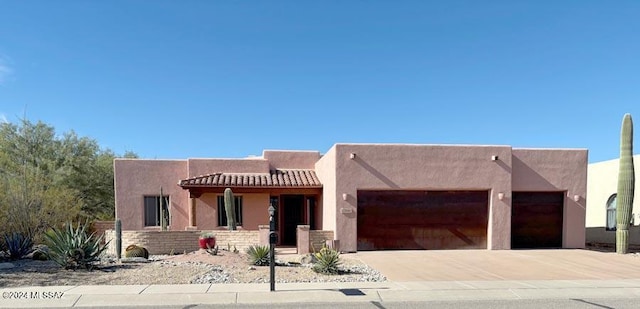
(474, 265)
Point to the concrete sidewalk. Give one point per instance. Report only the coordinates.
(379, 292)
(441, 276)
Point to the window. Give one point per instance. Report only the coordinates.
(611, 213)
(152, 210)
(222, 213)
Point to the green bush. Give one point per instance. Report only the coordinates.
(18, 245)
(327, 262)
(74, 248)
(258, 255)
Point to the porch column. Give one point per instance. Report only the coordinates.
(263, 232)
(302, 239)
(192, 212)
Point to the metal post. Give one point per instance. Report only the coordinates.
(272, 267)
(272, 244)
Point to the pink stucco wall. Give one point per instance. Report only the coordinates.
(199, 167)
(556, 170)
(207, 211)
(326, 172)
(254, 210)
(388, 166)
(375, 167)
(135, 179)
(281, 159)
(440, 167)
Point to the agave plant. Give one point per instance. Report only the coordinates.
(258, 255)
(327, 261)
(74, 248)
(18, 245)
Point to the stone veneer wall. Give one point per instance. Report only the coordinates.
(242, 239)
(165, 242)
(157, 242)
(319, 238)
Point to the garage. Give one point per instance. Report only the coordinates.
(536, 220)
(410, 219)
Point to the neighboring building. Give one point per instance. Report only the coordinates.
(602, 186)
(374, 196)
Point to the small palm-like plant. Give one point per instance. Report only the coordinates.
(327, 262)
(258, 255)
(18, 245)
(74, 248)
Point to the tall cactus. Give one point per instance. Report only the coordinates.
(230, 209)
(626, 184)
(118, 238)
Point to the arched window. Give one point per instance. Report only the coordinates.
(611, 213)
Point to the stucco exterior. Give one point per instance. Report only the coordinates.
(346, 169)
(326, 171)
(602, 184)
(556, 170)
(134, 179)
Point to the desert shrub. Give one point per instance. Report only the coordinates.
(18, 245)
(258, 255)
(212, 251)
(40, 255)
(74, 248)
(327, 261)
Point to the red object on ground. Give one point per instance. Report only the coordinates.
(207, 241)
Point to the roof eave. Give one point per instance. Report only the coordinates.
(248, 187)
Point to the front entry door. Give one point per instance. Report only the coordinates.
(292, 216)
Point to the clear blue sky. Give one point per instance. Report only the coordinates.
(178, 79)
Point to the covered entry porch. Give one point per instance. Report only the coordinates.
(295, 194)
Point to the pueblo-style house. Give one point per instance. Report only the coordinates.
(372, 196)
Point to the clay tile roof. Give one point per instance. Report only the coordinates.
(275, 178)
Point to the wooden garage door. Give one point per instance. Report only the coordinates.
(422, 220)
(536, 220)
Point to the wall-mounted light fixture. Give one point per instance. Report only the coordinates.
(494, 158)
(344, 196)
(501, 196)
(574, 197)
(352, 155)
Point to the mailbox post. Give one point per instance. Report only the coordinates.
(273, 238)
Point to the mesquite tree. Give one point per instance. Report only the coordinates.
(626, 184)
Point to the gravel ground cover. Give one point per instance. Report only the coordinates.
(191, 268)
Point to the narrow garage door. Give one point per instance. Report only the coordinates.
(536, 220)
(395, 219)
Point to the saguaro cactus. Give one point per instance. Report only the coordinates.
(230, 208)
(163, 212)
(118, 238)
(626, 184)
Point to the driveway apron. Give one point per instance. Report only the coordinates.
(472, 265)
